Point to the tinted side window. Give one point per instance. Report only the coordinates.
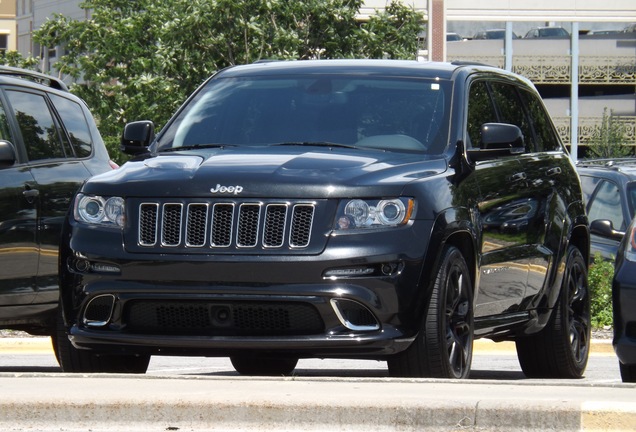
(4, 126)
(75, 123)
(606, 204)
(547, 138)
(588, 184)
(39, 131)
(511, 110)
(480, 111)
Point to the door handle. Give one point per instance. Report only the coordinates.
(518, 177)
(30, 194)
(553, 171)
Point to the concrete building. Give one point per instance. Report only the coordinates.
(7, 26)
(31, 14)
(579, 76)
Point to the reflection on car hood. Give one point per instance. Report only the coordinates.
(288, 172)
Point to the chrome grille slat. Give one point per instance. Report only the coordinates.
(275, 222)
(222, 224)
(196, 225)
(148, 219)
(302, 221)
(171, 224)
(248, 222)
(235, 225)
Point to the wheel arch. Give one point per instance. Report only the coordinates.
(452, 227)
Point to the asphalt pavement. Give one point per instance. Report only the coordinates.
(103, 402)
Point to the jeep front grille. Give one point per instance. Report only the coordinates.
(223, 225)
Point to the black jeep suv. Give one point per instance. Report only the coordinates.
(49, 145)
(375, 209)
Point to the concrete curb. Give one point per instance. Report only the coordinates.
(135, 403)
(108, 402)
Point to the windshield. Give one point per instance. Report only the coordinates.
(393, 114)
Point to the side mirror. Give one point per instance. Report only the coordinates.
(605, 228)
(498, 140)
(137, 137)
(7, 154)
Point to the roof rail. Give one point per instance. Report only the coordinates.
(37, 77)
(606, 162)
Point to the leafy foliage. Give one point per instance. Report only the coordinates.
(608, 140)
(141, 59)
(600, 282)
(15, 59)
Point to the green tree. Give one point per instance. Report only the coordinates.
(15, 59)
(141, 59)
(608, 140)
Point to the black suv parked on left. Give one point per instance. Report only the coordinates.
(49, 144)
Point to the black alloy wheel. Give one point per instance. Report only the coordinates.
(444, 345)
(562, 348)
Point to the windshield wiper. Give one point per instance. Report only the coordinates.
(197, 146)
(315, 144)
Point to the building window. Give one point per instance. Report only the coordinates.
(4, 42)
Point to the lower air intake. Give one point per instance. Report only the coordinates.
(224, 319)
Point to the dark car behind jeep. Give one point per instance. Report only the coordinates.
(49, 144)
(609, 190)
(389, 210)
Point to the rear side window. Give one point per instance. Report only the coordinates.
(4, 126)
(40, 133)
(75, 123)
(606, 204)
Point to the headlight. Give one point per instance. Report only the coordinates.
(94, 209)
(365, 214)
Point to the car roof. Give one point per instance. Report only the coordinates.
(407, 68)
(610, 168)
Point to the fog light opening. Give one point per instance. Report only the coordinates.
(99, 310)
(354, 315)
(82, 265)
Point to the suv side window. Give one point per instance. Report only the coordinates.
(511, 110)
(547, 139)
(606, 204)
(4, 126)
(75, 123)
(480, 111)
(40, 133)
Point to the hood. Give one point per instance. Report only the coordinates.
(283, 172)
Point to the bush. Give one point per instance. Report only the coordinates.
(600, 284)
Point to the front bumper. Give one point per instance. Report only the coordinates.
(370, 307)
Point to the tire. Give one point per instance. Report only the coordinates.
(75, 360)
(628, 372)
(443, 347)
(264, 366)
(561, 349)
